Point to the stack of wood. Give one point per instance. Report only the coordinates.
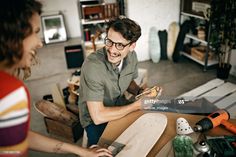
(199, 53)
(201, 33)
(55, 112)
(60, 119)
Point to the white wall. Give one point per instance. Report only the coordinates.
(69, 8)
(148, 13)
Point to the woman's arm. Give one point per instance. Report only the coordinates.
(45, 144)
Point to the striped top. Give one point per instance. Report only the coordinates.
(14, 116)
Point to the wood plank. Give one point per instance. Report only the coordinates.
(232, 111)
(57, 95)
(227, 101)
(202, 89)
(219, 92)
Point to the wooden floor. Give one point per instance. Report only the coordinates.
(219, 92)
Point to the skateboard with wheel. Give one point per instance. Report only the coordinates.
(139, 138)
(184, 29)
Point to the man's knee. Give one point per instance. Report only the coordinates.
(94, 133)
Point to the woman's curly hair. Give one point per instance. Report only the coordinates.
(128, 28)
(15, 16)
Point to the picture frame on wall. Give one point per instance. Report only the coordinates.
(54, 29)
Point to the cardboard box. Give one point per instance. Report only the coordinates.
(71, 133)
(196, 7)
(200, 53)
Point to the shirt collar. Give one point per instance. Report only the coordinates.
(120, 65)
(110, 66)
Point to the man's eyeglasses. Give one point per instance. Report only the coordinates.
(119, 46)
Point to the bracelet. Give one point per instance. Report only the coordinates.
(140, 91)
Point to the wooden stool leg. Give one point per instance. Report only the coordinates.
(85, 140)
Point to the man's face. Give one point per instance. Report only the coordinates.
(117, 41)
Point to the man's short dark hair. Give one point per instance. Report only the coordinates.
(128, 28)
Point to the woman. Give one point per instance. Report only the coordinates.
(19, 40)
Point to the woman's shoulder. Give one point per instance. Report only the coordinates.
(9, 83)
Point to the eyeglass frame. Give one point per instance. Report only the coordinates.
(106, 38)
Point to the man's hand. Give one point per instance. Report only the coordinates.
(151, 93)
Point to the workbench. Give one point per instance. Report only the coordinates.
(116, 127)
(218, 92)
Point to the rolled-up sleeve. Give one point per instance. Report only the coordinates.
(91, 84)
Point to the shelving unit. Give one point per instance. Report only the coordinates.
(187, 12)
(194, 37)
(93, 17)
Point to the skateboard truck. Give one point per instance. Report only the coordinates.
(116, 147)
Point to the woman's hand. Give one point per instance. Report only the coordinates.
(96, 151)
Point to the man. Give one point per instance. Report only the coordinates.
(106, 75)
(19, 41)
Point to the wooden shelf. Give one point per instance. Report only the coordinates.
(209, 63)
(88, 22)
(187, 13)
(93, 17)
(194, 37)
(192, 15)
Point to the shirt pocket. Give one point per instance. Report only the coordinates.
(125, 81)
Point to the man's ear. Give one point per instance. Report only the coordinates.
(132, 46)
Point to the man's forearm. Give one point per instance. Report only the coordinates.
(101, 114)
(113, 113)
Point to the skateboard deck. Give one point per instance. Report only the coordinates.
(163, 43)
(154, 45)
(173, 31)
(139, 138)
(184, 29)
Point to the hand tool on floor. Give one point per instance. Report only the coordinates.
(219, 117)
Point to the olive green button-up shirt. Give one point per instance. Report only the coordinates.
(101, 81)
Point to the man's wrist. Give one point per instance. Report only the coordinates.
(140, 91)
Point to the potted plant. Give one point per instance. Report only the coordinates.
(224, 65)
(223, 34)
